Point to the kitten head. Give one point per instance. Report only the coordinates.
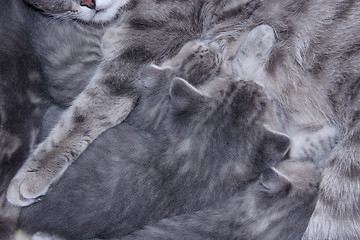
(222, 122)
(218, 118)
(281, 201)
(218, 123)
(97, 11)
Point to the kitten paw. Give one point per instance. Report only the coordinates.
(254, 51)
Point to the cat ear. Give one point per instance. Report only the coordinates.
(275, 146)
(184, 96)
(274, 182)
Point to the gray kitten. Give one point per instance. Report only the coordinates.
(276, 206)
(185, 146)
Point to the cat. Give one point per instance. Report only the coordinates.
(278, 206)
(310, 77)
(185, 146)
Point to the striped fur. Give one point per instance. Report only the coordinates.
(311, 76)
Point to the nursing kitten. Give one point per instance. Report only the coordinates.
(185, 146)
(276, 206)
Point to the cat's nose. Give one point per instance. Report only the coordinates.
(88, 3)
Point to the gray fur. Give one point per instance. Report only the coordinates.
(313, 78)
(310, 77)
(276, 206)
(111, 92)
(183, 148)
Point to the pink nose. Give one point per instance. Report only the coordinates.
(88, 3)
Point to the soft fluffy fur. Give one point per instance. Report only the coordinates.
(276, 206)
(311, 76)
(180, 150)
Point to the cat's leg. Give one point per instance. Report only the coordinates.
(105, 102)
(254, 52)
(337, 211)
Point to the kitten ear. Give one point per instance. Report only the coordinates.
(274, 182)
(184, 96)
(275, 146)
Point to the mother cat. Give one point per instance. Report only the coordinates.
(312, 76)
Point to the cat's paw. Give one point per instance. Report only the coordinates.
(254, 51)
(25, 188)
(32, 181)
(314, 144)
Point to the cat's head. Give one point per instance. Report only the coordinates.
(220, 121)
(97, 11)
(281, 201)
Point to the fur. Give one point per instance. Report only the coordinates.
(183, 148)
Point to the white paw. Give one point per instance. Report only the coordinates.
(254, 51)
(26, 187)
(21, 193)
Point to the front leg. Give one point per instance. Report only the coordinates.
(337, 211)
(106, 102)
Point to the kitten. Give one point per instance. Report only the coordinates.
(180, 150)
(276, 206)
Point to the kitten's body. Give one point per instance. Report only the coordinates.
(276, 206)
(175, 154)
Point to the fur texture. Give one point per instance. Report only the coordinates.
(311, 77)
(186, 146)
(276, 206)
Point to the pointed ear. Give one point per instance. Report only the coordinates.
(185, 97)
(275, 146)
(274, 182)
